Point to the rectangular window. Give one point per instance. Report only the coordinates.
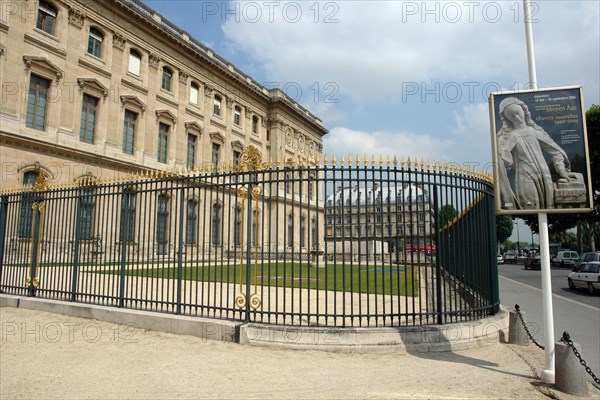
(255, 124)
(46, 17)
(216, 149)
(236, 116)
(191, 151)
(163, 133)
(217, 106)
(37, 102)
(94, 42)
(129, 131)
(194, 93)
(236, 163)
(167, 75)
(88, 119)
(134, 62)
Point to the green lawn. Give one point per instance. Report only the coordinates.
(393, 280)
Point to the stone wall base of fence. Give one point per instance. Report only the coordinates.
(406, 339)
(206, 328)
(413, 339)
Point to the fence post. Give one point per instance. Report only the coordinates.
(3, 217)
(251, 182)
(438, 247)
(76, 244)
(35, 248)
(124, 238)
(180, 250)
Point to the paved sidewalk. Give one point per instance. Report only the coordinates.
(51, 356)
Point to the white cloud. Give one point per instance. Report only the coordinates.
(376, 46)
(347, 142)
(466, 141)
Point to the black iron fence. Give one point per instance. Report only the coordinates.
(348, 243)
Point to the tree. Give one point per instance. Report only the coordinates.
(447, 214)
(504, 227)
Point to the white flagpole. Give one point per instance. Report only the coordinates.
(547, 375)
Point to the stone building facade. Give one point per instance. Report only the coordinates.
(95, 90)
(110, 87)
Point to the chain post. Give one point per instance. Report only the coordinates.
(566, 338)
(518, 310)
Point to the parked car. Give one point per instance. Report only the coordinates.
(500, 258)
(510, 257)
(565, 258)
(533, 261)
(587, 257)
(587, 276)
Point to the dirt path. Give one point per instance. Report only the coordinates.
(50, 356)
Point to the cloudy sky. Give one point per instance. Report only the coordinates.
(406, 78)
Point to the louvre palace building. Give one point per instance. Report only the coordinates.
(103, 88)
(96, 91)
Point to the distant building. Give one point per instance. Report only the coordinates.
(378, 221)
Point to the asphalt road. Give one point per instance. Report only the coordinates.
(559, 282)
(576, 312)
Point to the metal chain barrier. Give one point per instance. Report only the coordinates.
(566, 338)
(518, 310)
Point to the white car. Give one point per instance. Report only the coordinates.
(587, 276)
(565, 258)
(500, 258)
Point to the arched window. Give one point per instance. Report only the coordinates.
(302, 231)
(254, 240)
(217, 105)
(190, 222)
(26, 211)
(290, 230)
(162, 224)
(167, 77)
(135, 61)
(216, 224)
(87, 212)
(128, 215)
(46, 17)
(237, 226)
(194, 90)
(95, 39)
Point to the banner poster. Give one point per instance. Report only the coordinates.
(540, 153)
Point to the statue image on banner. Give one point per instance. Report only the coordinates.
(533, 171)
